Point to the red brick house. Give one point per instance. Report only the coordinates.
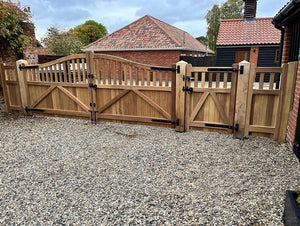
(149, 41)
(252, 39)
(287, 20)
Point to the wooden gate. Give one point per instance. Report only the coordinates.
(124, 90)
(59, 87)
(95, 86)
(208, 97)
(212, 99)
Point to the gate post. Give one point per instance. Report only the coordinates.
(21, 79)
(242, 98)
(180, 95)
(289, 72)
(92, 87)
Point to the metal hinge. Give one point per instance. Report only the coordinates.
(176, 122)
(241, 69)
(34, 109)
(236, 127)
(21, 67)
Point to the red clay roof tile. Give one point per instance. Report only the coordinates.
(147, 33)
(238, 32)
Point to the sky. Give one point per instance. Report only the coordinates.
(188, 15)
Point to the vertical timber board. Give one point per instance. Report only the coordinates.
(21, 78)
(242, 104)
(180, 96)
(187, 98)
(4, 87)
(287, 99)
(90, 62)
(233, 88)
(278, 114)
(173, 94)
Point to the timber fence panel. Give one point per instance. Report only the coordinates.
(11, 91)
(264, 105)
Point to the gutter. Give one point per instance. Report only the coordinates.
(147, 49)
(281, 42)
(277, 19)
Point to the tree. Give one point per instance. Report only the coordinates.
(203, 40)
(213, 18)
(62, 42)
(231, 9)
(12, 37)
(90, 31)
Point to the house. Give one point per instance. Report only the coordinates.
(252, 39)
(149, 41)
(287, 21)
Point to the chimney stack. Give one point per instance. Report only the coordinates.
(250, 10)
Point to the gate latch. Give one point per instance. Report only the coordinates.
(190, 90)
(94, 86)
(186, 78)
(91, 76)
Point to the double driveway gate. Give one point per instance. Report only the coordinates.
(242, 99)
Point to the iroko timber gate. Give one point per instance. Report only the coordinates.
(242, 99)
(94, 86)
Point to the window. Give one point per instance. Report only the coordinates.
(276, 60)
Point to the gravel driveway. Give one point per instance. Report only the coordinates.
(56, 171)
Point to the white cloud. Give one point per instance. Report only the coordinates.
(112, 15)
(195, 28)
(188, 15)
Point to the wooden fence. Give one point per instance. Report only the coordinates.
(242, 99)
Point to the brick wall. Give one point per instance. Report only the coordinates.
(7, 58)
(286, 45)
(32, 52)
(291, 129)
(165, 58)
(253, 55)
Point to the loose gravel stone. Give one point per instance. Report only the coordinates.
(64, 171)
